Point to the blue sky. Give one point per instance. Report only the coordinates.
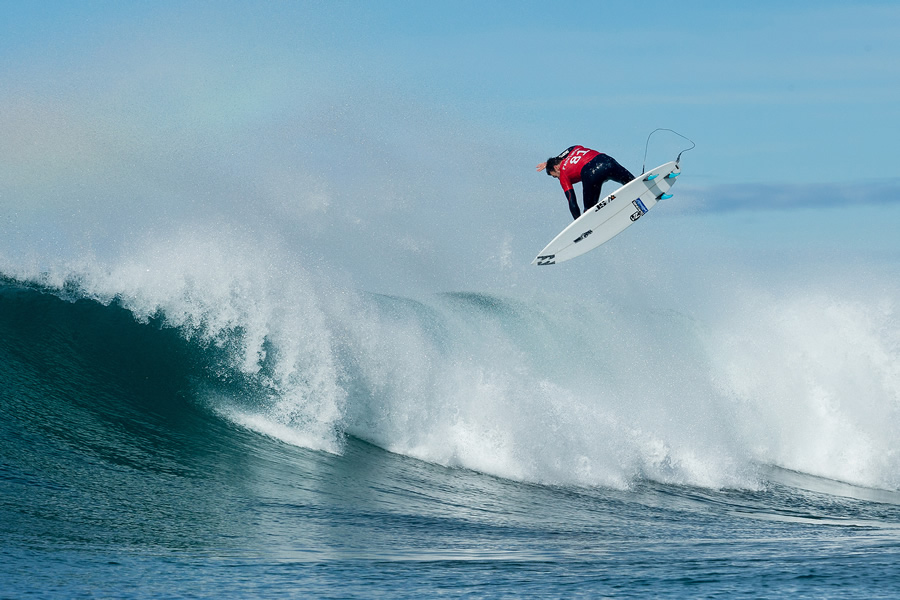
(790, 86)
(119, 116)
(771, 91)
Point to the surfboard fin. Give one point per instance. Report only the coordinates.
(672, 175)
(664, 196)
(651, 177)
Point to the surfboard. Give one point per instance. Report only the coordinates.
(612, 215)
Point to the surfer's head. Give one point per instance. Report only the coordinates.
(552, 167)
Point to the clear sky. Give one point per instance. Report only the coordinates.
(806, 91)
(771, 90)
(115, 114)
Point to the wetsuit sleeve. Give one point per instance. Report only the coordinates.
(565, 152)
(573, 203)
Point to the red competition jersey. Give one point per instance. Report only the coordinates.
(570, 168)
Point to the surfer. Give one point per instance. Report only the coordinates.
(591, 168)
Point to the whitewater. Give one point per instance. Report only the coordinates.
(683, 371)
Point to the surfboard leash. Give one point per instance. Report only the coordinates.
(647, 145)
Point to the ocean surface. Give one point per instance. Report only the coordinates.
(192, 419)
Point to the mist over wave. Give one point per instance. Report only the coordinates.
(656, 377)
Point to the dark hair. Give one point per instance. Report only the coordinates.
(552, 163)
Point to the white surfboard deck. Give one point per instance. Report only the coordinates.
(612, 215)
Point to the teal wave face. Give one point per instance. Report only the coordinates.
(101, 431)
(97, 382)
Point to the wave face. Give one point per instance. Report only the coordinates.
(547, 388)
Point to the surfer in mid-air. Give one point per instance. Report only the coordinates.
(591, 168)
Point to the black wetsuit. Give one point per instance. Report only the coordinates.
(599, 170)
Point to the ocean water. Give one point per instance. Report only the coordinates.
(203, 415)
